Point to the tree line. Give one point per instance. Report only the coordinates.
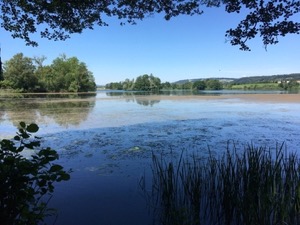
(27, 74)
(151, 83)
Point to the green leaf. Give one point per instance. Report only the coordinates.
(25, 135)
(19, 149)
(29, 145)
(22, 124)
(64, 176)
(32, 144)
(32, 128)
(55, 168)
(17, 138)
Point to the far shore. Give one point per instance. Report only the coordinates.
(266, 97)
(271, 98)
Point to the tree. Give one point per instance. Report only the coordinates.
(19, 72)
(128, 84)
(147, 83)
(268, 19)
(45, 78)
(1, 71)
(115, 86)
(142, 83)
(187, 86)
(166, 85)
(213, 84)
(289, 85)
(64, 74)
(42, 73)
(199, 85)
(155, 83)
(69, 74)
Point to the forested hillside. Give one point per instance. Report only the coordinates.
(223, 80)
(267, 79)
(247, 80)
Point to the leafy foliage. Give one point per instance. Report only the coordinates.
(268, 19)
(21, 18)
(141, 83)
(71, 75)
(27, 183)
(19, 72)
(147, 83)
(213, 84)
(64, 74)
(151, 83)
(267, 79)
(289, 85)
(199, 85)
(203, 84)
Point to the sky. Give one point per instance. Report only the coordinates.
(186, 47)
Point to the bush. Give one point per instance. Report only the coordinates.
(26, 183)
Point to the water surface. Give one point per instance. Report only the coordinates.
(108, 140)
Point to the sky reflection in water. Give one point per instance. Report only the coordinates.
(108, 140)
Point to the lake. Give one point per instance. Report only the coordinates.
(108, 139)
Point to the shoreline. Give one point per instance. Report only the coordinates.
(247, 97)
(268, 98)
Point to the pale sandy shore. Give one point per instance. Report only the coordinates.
(272, 98)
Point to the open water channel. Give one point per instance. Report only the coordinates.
(108, 138)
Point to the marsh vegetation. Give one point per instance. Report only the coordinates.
(254, 186)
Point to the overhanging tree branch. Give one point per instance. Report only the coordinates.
(268, 19)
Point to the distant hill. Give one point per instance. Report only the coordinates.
(224, 80)
(248, 80)
(266, 79)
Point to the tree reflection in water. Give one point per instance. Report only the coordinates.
(64, 110)
(141, 98)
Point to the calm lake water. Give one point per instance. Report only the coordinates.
(108, 139)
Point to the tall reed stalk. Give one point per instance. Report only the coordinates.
(256, 187)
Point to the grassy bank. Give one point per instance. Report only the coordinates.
(254, 187)
(256, 86)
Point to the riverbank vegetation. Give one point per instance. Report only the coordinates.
(254, 86)
(254, 186)
(24, 74)
(152, 83)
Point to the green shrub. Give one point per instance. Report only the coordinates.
(26, 183)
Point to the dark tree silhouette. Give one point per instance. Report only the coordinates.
(1, 71)
(269, 19)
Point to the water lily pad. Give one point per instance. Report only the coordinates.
(135, 148)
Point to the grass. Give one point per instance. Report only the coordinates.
(256, 86)
(254, 187)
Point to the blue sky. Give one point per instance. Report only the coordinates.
(183, 48)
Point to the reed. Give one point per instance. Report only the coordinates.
(255, 186)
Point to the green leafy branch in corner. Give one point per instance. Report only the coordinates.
(27, 183)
